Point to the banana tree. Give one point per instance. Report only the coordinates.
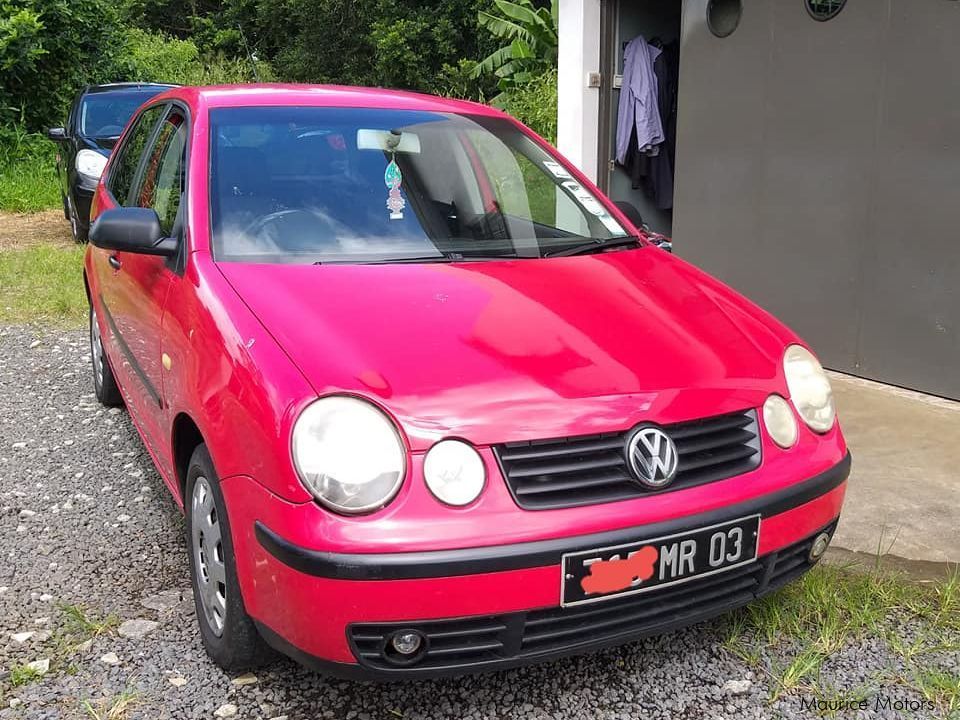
(531, 35)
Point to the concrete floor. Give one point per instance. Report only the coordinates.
(903, 497)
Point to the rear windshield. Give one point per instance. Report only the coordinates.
(307, 185)
(105, 114)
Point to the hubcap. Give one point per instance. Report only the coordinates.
(208, 555)
(96, 348)
(73, 218)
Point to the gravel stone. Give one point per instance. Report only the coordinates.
(226, 710)
(22, 637)
(245, 679)
(737, 687)
(139, 570)
(110, 659)
(136, 629)
(41, 667)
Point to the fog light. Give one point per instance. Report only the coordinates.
(819, 547)
(407, 642)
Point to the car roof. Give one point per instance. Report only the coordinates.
(276, 94)
(126, 87)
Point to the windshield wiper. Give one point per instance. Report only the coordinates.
(594, 245)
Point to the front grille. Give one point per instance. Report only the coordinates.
(476, 643)
(592, 469)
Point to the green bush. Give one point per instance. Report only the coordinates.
(534, 104)
(154, 57)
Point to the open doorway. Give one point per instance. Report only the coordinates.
(640, 42)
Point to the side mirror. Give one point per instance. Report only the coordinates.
(630, 210)
(57, 134)
(132, 229)
(633, 215)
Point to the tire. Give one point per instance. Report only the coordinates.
(104, 383)
(229, 635)
(66, 207)
(80, 233)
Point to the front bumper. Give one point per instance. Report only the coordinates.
(496, 642)
(331, 610)
(82, 200)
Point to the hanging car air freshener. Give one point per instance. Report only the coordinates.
(392, 177)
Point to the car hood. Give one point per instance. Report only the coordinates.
(523, 349)
(102, 145)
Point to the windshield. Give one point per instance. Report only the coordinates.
(307, 185)
(105, 114)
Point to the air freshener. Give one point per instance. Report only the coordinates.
(392, 178)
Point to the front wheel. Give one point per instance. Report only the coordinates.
(79, 232)
(104, 383)
(229, 635)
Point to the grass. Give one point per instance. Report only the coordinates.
(42, 283)
(28, 178)
(939, 687)
(832, 606)
(29, 184)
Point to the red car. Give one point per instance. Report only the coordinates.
(431, 403)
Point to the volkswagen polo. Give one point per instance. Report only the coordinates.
(430, 402)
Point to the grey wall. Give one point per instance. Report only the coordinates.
(818, 171)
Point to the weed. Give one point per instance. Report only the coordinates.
(23, 675)
(114, 708)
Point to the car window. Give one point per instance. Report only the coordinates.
(105, 114)
(354, 185)
(161, 184)
(129, 153)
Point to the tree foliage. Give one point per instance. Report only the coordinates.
(48, 49)
(370, 42)
(531, 38)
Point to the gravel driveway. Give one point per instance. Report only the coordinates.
(86, 521)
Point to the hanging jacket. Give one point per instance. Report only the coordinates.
(639, 110)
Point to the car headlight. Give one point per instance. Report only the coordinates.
(809, 387)
(454, 472)
(348, 454)
(780, 422)
(90, 163)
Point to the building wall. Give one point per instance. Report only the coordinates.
(818, 171)
(578, 104)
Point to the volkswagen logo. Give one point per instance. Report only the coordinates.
(652, 457)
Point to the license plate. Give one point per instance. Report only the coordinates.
(637, 567)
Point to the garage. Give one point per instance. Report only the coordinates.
(816, 161)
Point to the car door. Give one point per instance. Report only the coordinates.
(136, 288)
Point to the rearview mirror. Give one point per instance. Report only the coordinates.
(57, 134)
(132, 229)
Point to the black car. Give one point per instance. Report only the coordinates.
(97, 118)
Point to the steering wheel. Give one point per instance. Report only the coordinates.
(295, 229)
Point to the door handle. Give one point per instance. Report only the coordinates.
(114, 262)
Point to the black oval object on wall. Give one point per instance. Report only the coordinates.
(823, 10)
(723, 16)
